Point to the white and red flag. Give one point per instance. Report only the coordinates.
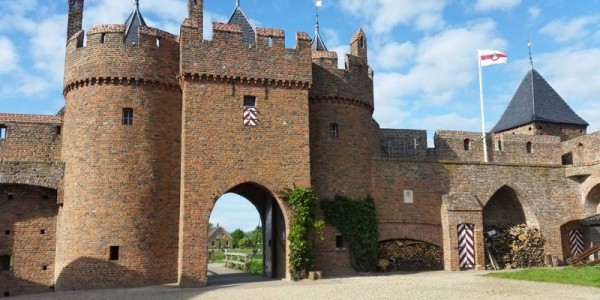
(491, 57)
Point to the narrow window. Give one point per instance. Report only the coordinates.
(408, 196)
(212, 243)
(339, 242)
(103, 38)
(361, 42)
(467, 144)
(7, 262)
(58, 130)
(270, 41)
(127, 116)
(3, 131)
(529, 147)
(157, 42)
(227, 37)
(499, 145)
(250, 101)
(43, 231)
(114, 253)
(333, 130)
(7, 232)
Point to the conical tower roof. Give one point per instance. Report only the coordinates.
(133, 23)
(238, 17)
(317, 42)
(536, 101)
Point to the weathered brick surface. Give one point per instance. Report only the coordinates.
(219, 153)
(121, 187)
(28, 232)
(30, 137)
(563, 131)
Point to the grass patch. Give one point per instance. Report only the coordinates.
(588, 276)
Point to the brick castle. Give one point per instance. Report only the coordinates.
(116, 190)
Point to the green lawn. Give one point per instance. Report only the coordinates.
(255, 266)
(589, 276)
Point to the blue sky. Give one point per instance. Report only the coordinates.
(423, 52)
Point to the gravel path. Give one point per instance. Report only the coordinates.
(426, 285)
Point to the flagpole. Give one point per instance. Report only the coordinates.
(483, 135)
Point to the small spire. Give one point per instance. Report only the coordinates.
(237, 3)
(318, 44)
(137, 4)
(529, 44)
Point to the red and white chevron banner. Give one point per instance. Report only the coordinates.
(466, 246)
(250, 116)
(576, 241)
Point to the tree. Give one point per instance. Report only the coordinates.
(236, 235)
(256, 237)
(244, 243)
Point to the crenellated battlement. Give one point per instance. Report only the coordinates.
(354, 83)
(106, 58)
(226, 55)
(464, 146)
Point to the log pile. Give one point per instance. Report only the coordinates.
(410, 255)
(516, 246)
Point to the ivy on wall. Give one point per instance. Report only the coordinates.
(304, 229)
(357, 221)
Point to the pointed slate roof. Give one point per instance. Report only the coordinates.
(133, 23)
(317, 42)
(238, 17)
(538, 104)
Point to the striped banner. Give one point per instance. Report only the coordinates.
(466, 246)
(250, 116)
(576, 241)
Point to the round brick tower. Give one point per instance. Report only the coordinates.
(343, 133)
(118, 225)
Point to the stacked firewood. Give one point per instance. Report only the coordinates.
(516, 246)
(409, 255)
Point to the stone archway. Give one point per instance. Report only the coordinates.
(193, 243)
(273, 218)
(503, 208)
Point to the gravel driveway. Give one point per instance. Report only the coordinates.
(426, 285)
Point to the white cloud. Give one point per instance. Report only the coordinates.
(573, 73)
(534, 12)
(47, 53)
(383, 15)
(570, 30)
(393, 55)
(9, 59)
(488, 5)
(233, 211)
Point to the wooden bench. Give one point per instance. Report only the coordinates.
(236, 260)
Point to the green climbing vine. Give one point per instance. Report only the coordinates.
(304, 229)
(357, 221)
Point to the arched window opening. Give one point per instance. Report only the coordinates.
(529, 147)
(467, 144)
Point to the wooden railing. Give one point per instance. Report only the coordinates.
(236, 260)
(580, 260)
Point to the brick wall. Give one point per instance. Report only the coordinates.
(404, 143)
(121, 186)
(219, 153)
(30, 137)
(28, 233)
(564, 131)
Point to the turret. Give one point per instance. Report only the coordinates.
(358, 45)
(121, 147)
(75, 18)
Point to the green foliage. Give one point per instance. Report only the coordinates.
(256, 266)
(304, 229)
(244, 243)
(357, 221)
(587, 276)
(256, 237)
(216, 256)
(236, 235)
